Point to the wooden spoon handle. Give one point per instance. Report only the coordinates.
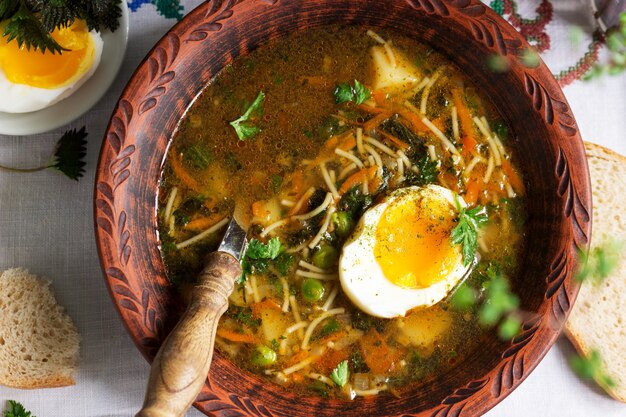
(182, 365)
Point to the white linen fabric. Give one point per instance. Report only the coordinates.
(46, 225)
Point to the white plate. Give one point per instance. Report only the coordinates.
(82, 100)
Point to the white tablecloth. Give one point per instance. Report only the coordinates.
(46, 225)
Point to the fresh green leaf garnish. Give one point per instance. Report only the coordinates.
(499, 301)
(466, 231)
(331, 326)
(30, 22)
(243, 315)
(68, 157)
(428, 171)
(242, 125)
(590, 367)
(599, 263)
(16, 410)
(357, 93)
(509, 327)
(283, 263)
(340, 374)
(463, 298)
(70, 154)
(257, 256)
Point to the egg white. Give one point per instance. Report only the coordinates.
(362, 278)
(22, 98)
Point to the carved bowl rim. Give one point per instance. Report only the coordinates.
(138, 136)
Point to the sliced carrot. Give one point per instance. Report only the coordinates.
(377, 354)
(234, 336)
(346, 142)
(470, 146)
(358, 178)
(182, 175)
(371, 110)
(203, 223)
(298, 357)
(471, 192)
(375, 121)
(399, 143)
(330, 360)
(297, 182)
(514, 177)
(267, 304)
(439, 123)
(259, 209)
(465, 118)
(414, 120)
(296, 377)
(379, 96)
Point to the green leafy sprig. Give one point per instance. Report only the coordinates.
(356, 93)
(16, 410)
(599, 263)
(466, 231)
(340, 374)
(591, 367)
(68, 158)
(244, 129)
(258, 255)
(30, 22)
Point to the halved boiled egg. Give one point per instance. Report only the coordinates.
(400, 255)
(31, 80)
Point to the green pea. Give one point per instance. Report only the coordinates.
(263, 356)
(326, 257)
(343, 223)
(312, 290)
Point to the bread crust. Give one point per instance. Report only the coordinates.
(579, 335)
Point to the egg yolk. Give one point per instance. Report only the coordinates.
(49, 70)
(413, 245)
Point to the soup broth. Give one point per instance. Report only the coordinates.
(299, 141)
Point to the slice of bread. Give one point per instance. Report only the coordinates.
(39, 343)
(598, 318)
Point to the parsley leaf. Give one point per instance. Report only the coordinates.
(16, 410)
(242, 125)
(466, 230)
(427, 174)
(590, 367)
(257, 256)
(463, 298)
(340, 374)
(358, 93)
(70, 153)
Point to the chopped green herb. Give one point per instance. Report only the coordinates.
(340, 374)
(198, 156)
(599, 263)
(243, 315)
(499, 300)
(464, 298)
(590, 367)
(428, 171)
(331, 326)
(466, 231)
(16, 410)
(357, 363)
(357, 93)
(509, 327)
(497, 63)
(283, 263)
(257, 256)
(244, 129)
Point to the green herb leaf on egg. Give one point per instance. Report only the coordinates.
(466, 231)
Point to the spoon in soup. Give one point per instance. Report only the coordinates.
(182, 364)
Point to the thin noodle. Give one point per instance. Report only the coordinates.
(300, 365)
(426, 92)
(446, 142)
(302, 199)
(400, 164)
(316, 275)
(172, 225)
(282, 349)
(369, 392)
(375, 36)
(377, 159)
(509, 190)
(332, 175)
(327, 180)
(496, 139)
(316, 322)
(350, 156)
(287, 203)
(432, 152)
(490, 166)
(318, 210)
(296, 314)
(273, 226)
(471, 165)
(217, 226)
(455, 124)
(170, 204)
(390, 55)
(331, 297)
(312, 267)
(255, 289)
(359, 140)
(297, 248)
(326, 380)
(346, 171)
(285, 285)
(386, 149)
(323, 229)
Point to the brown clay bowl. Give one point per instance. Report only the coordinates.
(547, 143)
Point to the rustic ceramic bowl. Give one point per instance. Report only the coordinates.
(547, 143)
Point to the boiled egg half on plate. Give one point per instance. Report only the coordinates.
(31, 80)
(400, 255)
